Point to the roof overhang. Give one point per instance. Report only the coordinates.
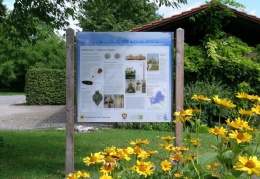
(244, 26)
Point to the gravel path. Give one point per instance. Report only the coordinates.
(16, 116)
(31, 117)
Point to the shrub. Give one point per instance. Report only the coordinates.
(223, 58)
(45, 87)
(155, 126)
(210, 113)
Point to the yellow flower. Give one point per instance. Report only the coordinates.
(250, 165)
(183, 115)
(143, 155)
(224, 102)
(176, 156)
(110, 151)
(106, 176)
(196, 110)
(168, 138)
(164, 144)
(137, 150)
(245, 112)
(151, 152)
(122, 155)
(178, 175)
(214, 174)
(242, 95)
(195, 141)
(139, 142)
(128, 150)
(166, 165)
(144, 168)
(96, 158)
(72, 176)
(256, 109)
(181, 148)
(109, 164)
(85, 175)
(218, 131)
(140, 153)
(78, 174)
(247, 96)
(187, 158)
(182, 119)
(170, 147)
(253, 97)
(240, 137)
(200, 98)
(238, 123)
(213, 166)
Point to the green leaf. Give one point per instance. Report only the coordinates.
(228, 154)
(207, 158)
(236, 173)
(228, 176)
(198, 167)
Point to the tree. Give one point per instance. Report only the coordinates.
(48, 52)
(27, 37)
(2, 11)
(106, 15)
(217, 14)
(21, 22)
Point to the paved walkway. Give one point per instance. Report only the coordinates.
(16, 116)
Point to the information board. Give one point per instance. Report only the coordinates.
(124, 76)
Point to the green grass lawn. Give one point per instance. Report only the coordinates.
(41, 154)
(11, 93)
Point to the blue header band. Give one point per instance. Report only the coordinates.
(124, 38)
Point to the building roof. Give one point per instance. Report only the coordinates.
(244, 26)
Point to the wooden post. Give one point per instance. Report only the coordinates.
(69, 101)
(179, 82)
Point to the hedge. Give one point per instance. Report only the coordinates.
(45, 86)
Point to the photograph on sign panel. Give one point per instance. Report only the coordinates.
(152, 62)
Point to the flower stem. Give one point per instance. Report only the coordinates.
(219, 117)
(195, 168)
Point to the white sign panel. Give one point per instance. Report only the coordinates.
(124, 76)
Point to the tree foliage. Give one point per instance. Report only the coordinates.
(49, 51)
(21, 22)
(2, 11)
(218, 15)
(223, 59)
(106, 15)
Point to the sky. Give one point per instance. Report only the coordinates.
(252, 8)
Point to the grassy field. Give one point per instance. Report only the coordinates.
(41, 154)
(11, 93)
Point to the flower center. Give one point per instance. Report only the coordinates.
(93, 159)
(178, 157)
(240, 136)
(216, 131)
(250, 164)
